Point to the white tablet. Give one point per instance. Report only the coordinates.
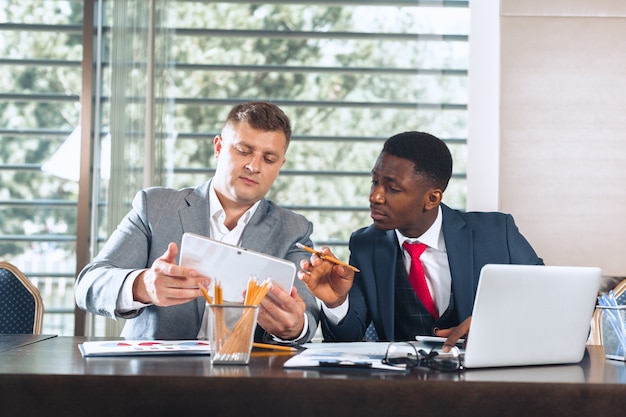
(232, 266)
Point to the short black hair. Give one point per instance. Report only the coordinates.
(261, 115)
(429, 154)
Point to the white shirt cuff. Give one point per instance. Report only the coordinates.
(336, 314)
(125, 302)
(305, 328)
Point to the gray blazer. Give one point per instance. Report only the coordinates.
(160, 216)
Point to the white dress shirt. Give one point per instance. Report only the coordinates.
(219, 231)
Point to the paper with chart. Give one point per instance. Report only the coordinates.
(143, 347)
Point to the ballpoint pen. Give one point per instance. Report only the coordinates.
(326, 257)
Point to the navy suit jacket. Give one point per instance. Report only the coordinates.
(472, 240)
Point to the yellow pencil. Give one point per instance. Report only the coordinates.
(274, 347)
(326, 257)
(205, 293)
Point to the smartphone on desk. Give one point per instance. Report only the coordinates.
(434, 340)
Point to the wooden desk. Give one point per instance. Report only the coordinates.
(51, 377)
(13, 341)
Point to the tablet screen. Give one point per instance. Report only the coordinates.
(232, 266)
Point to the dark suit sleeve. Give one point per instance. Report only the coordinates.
(352, 328)
(476, 239)
(520, 251)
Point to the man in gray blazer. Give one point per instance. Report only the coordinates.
(408, 181)
(136, 275)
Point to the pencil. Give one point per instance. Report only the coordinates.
(325, 257)
(274, 347)
(205, 293)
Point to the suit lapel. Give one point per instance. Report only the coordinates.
(460, 248)
(255, 234)
(385, 253)
(195, 217)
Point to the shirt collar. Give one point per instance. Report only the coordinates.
(433, 237)
(216, 211)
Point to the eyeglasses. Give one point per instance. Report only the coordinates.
(406, 355)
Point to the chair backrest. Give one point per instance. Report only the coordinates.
(596, 326)
(21, 306)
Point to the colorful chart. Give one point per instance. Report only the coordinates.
(138, 347)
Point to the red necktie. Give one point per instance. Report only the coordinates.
(418, 279)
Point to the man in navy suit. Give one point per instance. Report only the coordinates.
(408, 182)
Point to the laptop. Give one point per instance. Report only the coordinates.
(531, 315)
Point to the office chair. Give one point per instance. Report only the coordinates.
(596, 324)
(21, 306)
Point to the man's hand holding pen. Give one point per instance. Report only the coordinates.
(326, 256)
(327, 280)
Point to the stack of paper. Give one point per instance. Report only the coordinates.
(350, 355)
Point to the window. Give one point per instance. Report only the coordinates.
(40, 74)
(349, 74)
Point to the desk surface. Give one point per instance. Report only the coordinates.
(12, 341)
(51, 377)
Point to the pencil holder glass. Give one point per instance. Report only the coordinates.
(613, 331)
(231, 332)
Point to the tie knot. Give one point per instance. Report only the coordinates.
(414, 249)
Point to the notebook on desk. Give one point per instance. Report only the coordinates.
(531, 315)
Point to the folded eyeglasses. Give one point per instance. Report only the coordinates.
(407, 355)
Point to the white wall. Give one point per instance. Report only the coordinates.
(558, 130)
(484, 106)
